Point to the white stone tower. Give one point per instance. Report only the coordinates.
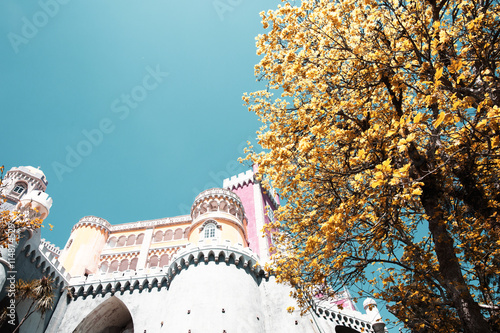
(26, 185)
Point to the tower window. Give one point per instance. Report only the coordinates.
(19, 189)
(210, 230)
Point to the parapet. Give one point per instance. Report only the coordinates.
(97, 222)
(47, 248)
(218, 200)
(28, 173)
(40, 197)
(240, 180)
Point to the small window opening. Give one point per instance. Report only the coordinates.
(19, 189)
(210, 230)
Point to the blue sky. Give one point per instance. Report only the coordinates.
(131, 108)
(146, 94)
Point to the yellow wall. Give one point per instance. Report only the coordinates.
(84, 252)
(229, 231)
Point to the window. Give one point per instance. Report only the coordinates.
(114, 266)
(123, 265)
(210, 230)
(122, 240)
(130, 240)
(158, 236)
(112, 242)
(164, 260)
(19, 188)
(168, 235)
(104, 267)
(133, 264)
(153, 262)
(178, 234)
(139, 239)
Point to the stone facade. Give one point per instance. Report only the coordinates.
(193, 273)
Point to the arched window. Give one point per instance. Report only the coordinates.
(153, 261)
(133, 264)
(140, 239)
(178, 234)
(186, 233)
(213, 206)
(122, 240)
(164, 260)
(159, 236)
(123, 265)
(112, 242)
(209, 230)
(130, 240)
(223, 206)
(168, 235)
(19, 188)
(204, 208)
(104, 267)
(114, 266)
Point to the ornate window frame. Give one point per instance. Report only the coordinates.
(17, 186)
(208, 223)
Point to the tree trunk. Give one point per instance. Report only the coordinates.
(449, 267)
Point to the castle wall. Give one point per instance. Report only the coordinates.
(202, 298)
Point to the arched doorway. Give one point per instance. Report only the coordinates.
(112, 316)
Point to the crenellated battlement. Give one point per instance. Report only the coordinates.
(161, 277)
(240, 180)
(97, 222)
(46, 246)
(218, 201)
(44, 257)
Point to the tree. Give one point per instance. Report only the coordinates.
(40, 295)
(384, 143)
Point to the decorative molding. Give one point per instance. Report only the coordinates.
(183, 219)
(117, 256)
(217, 225)
(201, 205)
(95, 221)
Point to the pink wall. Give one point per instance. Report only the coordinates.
(246, 195)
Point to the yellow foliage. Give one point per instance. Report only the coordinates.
(386, 126)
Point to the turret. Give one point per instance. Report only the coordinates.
(218, 215)
(21, 181)
(82, 251)
(39, 201)
(259, 206)
(373, 314)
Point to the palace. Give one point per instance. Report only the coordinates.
(192, 273)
